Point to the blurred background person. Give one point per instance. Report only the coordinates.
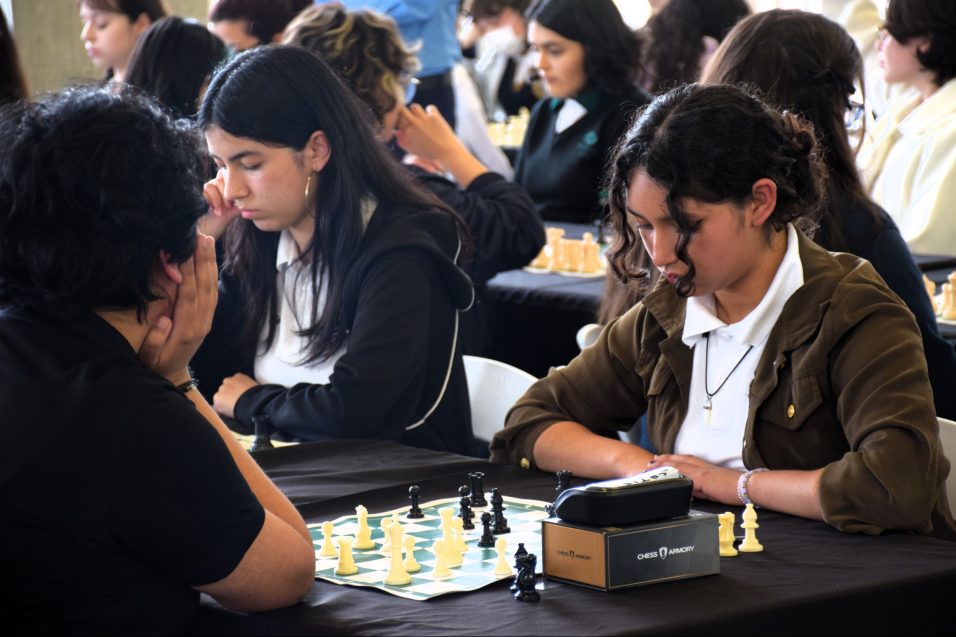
(680, 38)
(13, 83)
(243, 24)
(173, 61)
(588, 60)
(111, 29)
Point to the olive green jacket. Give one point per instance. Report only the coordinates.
(842, 384)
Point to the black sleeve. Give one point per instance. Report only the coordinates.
(180, 502)
(504, 223)
(377, 383)
(220, 354)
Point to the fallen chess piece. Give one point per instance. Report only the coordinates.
(750, 526)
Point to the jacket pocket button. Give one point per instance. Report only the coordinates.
(791, 410)
(525, 463)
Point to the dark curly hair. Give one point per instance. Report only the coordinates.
(612, 52)
(934, 20)
(364, 48)
(711, 143)
(93, 185)
(674, 39)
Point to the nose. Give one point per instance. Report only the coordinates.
(233, 186)
(661, 246)
(86, 34)
(541, 61)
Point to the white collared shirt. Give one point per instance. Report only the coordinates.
(282, 364)
(571, 111)
(716, 435)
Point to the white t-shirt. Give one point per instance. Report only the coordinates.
(716, 434)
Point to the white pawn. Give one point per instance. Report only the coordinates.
(441, 568)
(459, 534)
(346, 564)
(363, 536)
(411, 564)
(328, 549)
(502, 567)
(750, 526)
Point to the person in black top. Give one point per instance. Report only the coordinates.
(366, 50)
(588, 60)
(809, 64)
(123, 494)
(340, 293)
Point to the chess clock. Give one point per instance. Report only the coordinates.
(653, 494)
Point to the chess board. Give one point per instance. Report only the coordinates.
(524, 517)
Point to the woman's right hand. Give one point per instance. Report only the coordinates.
(221, 210)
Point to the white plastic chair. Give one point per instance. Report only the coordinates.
(493, 387)
(947, 436)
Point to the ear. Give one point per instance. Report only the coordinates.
(169, 268)
(923, 44)
(763, 194)
(141, 23)
(317, 151)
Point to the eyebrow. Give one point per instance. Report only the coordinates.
(240, 155)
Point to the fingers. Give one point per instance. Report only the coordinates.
(212, 191)
(152, 347)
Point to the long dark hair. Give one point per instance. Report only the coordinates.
(711, 143)
(612, 52)
(674, 39)
(279, 96)
(172, 60)
(806, 63)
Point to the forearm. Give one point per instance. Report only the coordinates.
(569, 445)
(462, 165)
(269, 496)
(793, 492)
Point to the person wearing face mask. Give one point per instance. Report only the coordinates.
(588, 59)
(111, 29)
(503, 68)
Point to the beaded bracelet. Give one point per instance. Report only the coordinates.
(742, 485)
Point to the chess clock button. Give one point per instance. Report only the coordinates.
(525, 463)
(791, 410)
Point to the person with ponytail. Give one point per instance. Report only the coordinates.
(760, 359)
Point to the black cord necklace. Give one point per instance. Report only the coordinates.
(708, 406)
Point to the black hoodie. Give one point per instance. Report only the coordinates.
(401, 376)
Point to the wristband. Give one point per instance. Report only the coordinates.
(189, 385)
(742, 485)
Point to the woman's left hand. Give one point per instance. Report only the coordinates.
(225, 399)
(710, 481)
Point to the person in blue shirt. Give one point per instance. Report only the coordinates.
(431, 25)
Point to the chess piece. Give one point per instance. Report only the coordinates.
(540, 262)
(497, 509)
(328, 549)
(573, 255)
(526, 580)
(520, 556)
(262, 426)
(477, 489)
(591, 257)
(725, 534)
(363, 536)
(411, 564)
(386, 538)
(553, 235)
(459, 535)
(501, 565)
(931, 292)
(415, 511)
(452, 556)
(559, 256)
(441, 567)
(396, 575)
(944, 299)
(750, 526)
(346, 565)
(949, 301)
(487, 539)
(464, 511)
(564, 480)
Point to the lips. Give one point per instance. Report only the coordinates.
(247, 214)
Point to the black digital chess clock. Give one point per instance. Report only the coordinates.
(653, 494)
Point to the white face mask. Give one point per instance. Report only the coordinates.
(504, 40)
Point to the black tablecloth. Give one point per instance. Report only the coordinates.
(810, 578)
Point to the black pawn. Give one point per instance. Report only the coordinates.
(477, 489)
(526, 580)
(497, 509)
(487, 539)
(415, 512)
(465, 512)
(263, 433)
(564, 480)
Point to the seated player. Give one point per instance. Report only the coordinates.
(764, 363)
(123, 494)
(243, 24)
(338, 316)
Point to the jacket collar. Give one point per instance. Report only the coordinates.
(941, 106)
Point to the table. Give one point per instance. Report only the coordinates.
(810, 579)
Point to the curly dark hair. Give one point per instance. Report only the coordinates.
(93, 185)
(674, 39)
(364, 48)
(711, 143)
(612, 52)
(934, 20)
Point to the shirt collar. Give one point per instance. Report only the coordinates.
(754, 328)
(287, 252)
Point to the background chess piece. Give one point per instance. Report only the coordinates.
(346, 565)
(262, 426)
(591, 257)
(328, 548)
(725, 534)
(415, 512)
(750, 526)
(363, 536)
(477, 489)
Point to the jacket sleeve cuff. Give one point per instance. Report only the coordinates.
(483, 180)
(253, 402)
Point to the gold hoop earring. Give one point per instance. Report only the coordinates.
(308, 183)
